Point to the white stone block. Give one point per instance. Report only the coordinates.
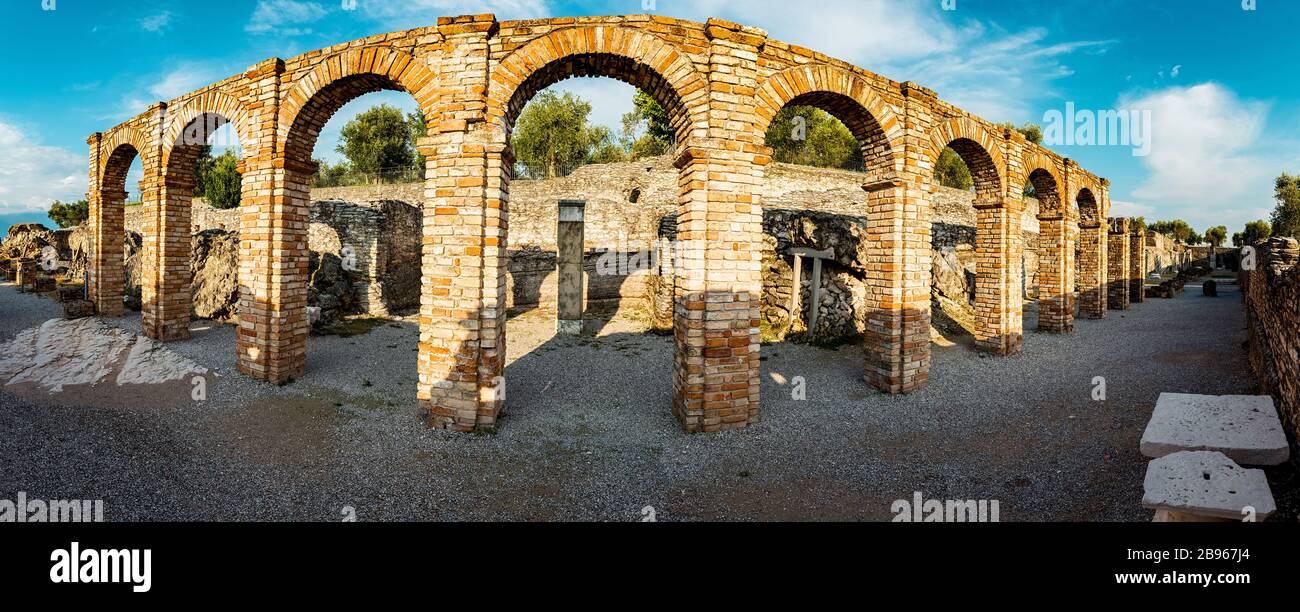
(1207, 483)
(1243, 427)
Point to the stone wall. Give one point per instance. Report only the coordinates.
(1271, 293)
(631, 208)
(375, 240)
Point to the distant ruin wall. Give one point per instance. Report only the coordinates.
(1271, 293)
(628, 206)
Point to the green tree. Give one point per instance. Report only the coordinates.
(1286, 216)
(1238, 239)
(647, 130)
(1216, 236)
(951, 170)
(1256, 231)
(1177, 229)
(809, 136)
(1137, 225)
(221, 181)
(605, 149)
(331, 175)
(418, 129)
(202, 168)
(551, 137)
(70, 214)
(378, 141)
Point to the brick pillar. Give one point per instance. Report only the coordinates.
(1092, 271)
(165, 286)
(720, 228)
(462, 302)
(897, 337)
(897, 354)
(273, 256)
(107, 209)
(1117, 268)
(999, 324)
(1137, 258)
(1055, 278)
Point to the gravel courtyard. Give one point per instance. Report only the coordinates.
(588, 433)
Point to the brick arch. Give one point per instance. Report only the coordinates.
(222, 106)
(1055, 244)
(341, 78)
(635, 57)
(1045, 174)
(843, 94)
(120, 148)
(1088, 205)
(978, 147)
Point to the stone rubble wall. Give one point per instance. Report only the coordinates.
(1272, 303)
(631, 208)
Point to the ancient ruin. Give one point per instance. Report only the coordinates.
(722, 82)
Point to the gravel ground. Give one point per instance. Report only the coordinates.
(588, 433)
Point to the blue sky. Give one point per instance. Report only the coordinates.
(1224, 113)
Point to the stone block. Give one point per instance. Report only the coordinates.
(1205, 484)
(1243, 427)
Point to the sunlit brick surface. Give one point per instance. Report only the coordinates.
(722, 84)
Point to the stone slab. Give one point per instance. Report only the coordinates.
(1206, 483)
(1243, 427)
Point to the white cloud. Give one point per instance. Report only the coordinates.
(32, 175)
(1120, 208)
(405, 14)
(872, 31)
(156, 23)
(1205, 162)
(284, 17)
(183, 78)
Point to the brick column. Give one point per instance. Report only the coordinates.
(898, 275)
(720, 228)
(273, 256)
(1092, 271)
(165, 267)
(1117, 268)
(463, 296)
(999, 324)
(107, 209)
(1137, 258)
(1055, 267)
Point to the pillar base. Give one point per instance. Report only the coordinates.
(567, 327)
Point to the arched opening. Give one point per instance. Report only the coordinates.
(1091, 256)
(193, 268)
(1055, 255)
(345, 254)
(811, 295)
(827, 271)
(113, 247)
(971, 288)
(626, 248)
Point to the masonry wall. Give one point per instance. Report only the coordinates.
(1271, 293)
(628, 207)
